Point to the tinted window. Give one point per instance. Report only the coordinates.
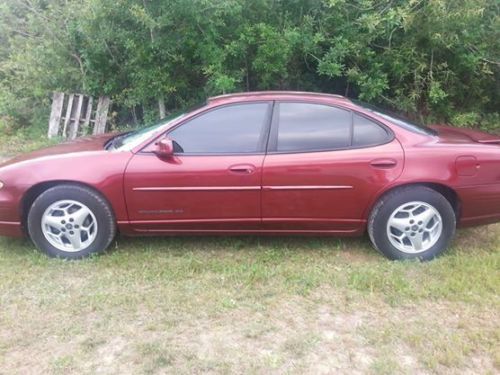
(309, 127)
(367, 133)
(231, 129)
(397, 119)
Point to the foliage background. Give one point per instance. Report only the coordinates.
(435, 60)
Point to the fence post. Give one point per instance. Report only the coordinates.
(55, 114)
(67, 118)
(101, 115)
(88, 114)
(75, 123)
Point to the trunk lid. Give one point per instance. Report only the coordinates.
(463, 135)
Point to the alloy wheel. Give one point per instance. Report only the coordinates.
(414, 227)
(69, 225)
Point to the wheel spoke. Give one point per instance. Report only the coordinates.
(75, 240)
(53, 221)
(436, 224)
(417, 241)
(425, 217)
(81, 215)
(399, 224)
(56, 237)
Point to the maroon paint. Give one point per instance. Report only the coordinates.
(315, 192)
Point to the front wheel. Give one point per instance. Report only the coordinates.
(71, 222)
(412, 223)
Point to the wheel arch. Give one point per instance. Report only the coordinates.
(446, 191)
(34, 191)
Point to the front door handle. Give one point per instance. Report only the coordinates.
(242, 169)
(384, 163)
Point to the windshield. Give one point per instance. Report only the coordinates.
(396, 119)
(127, 141)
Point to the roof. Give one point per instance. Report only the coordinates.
(253, 94)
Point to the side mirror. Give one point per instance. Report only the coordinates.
(164, 148)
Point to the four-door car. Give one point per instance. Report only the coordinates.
(259, 163)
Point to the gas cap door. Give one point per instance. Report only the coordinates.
(467, 165)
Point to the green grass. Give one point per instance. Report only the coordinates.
(251, 304)
(13, 142)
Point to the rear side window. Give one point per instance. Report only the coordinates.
(312, 127)
(308, 127)
(235, 128)
(367, 132)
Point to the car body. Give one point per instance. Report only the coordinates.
(290, 183)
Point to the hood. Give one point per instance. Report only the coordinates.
(92, 143)
(463, 135)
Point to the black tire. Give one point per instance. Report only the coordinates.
(106, 225)
(387, 204)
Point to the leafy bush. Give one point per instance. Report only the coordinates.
(437, 60)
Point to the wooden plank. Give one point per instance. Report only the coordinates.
(75, 121)
(101, 115)
(161, 106)
(67, 118)
(88, 114)
(55, 114)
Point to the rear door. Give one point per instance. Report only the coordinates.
(323, 166)
(213, 182)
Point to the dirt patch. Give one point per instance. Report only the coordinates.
(319, 334)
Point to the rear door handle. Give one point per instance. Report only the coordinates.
(383, 163)
(242, 169)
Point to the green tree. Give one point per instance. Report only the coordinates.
(438, 60)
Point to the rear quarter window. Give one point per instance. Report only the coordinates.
(367, 132)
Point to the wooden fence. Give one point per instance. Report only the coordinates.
(80, 117)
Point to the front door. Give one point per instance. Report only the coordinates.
(323, 167)
(213, 181)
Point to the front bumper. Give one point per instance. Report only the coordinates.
(10, 218)
(11, 229)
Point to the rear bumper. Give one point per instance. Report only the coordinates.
(480, 204)
(11, 229)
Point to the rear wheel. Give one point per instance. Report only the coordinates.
(71, 222)
(412, 223)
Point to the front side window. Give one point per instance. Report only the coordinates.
(235, 128)
(312, 127)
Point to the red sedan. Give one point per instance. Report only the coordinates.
(255, 163)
